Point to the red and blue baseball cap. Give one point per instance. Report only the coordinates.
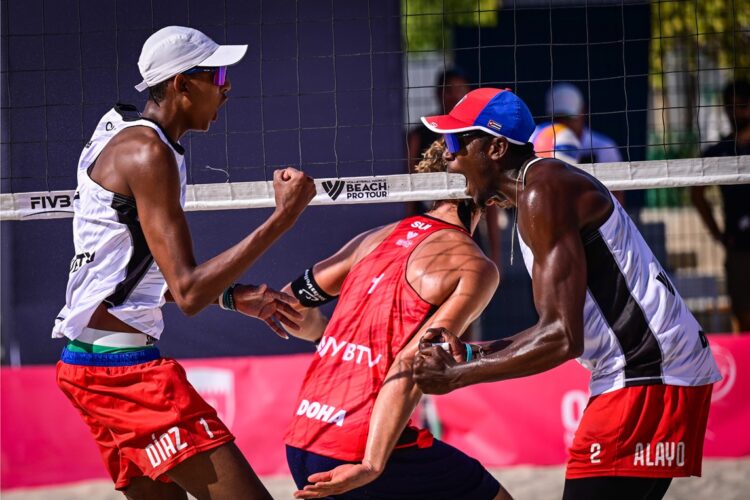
(497, 112)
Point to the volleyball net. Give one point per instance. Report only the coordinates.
(337, 88)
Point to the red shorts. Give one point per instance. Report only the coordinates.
(644, 431)
(145, 417)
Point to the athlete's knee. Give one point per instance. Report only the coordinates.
(219, 473)
(144, 488)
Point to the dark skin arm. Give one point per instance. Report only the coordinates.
(145, 168)
(550, 223)
(330, 274)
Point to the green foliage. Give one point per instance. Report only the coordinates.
(427, 24)
(720, 29)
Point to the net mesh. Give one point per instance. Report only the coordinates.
(337, 88)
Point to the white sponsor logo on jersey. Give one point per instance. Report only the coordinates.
(421, 225)
(349, 352)
(322, 412)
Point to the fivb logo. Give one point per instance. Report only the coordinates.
(334, 188)
(44, 204)
(52, 201)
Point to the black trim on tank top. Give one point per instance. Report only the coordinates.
(129, 109)
(623, 313)
(588, 234)
(140, 260)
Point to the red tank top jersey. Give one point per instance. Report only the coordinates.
(377, 314)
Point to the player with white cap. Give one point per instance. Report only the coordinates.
(157, 436)
(176, 49)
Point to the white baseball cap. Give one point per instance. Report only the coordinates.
(175, 49)
(564, 99)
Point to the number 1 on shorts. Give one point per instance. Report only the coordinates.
(205, 426)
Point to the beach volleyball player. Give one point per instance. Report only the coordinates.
(157, 436)
(602, 297)
(350, 435)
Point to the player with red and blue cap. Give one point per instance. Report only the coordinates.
(602, 297)
(493, 111)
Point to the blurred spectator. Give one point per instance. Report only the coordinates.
(555, 140)
(565, 104)
(450, 86)
(736, 203)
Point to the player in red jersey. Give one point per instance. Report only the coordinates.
(350, 436)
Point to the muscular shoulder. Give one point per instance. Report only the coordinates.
(134, 154)
(141, 146)
(363, 244)
(445, 259)
(558, 197)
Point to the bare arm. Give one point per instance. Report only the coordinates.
(559, 278)
(399, 395)
(330, 274)
(153, 179)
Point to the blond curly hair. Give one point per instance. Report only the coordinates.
(432, 159)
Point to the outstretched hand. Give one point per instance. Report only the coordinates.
(337, 481)
(434, 368)
(268, 305)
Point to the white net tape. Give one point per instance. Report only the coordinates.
(400, 188)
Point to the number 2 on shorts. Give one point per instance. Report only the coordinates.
(596, 449)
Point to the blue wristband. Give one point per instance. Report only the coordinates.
(469, 352)
(226, 299)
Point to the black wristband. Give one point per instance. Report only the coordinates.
(308, 292)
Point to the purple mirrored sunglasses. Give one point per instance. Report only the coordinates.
(220, 73)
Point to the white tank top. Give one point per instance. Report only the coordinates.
(637, 329)
(112, 262)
